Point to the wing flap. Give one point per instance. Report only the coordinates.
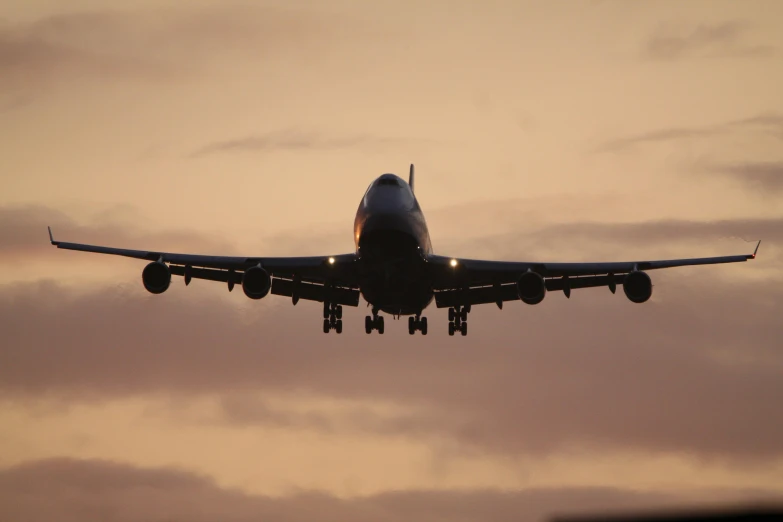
(508, 292)
(555, 284)
(209, 274)
(315, 292)
(284, 287)
(476, 295)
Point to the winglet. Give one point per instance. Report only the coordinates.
(410, 178)
(51, 238)
(753, 255)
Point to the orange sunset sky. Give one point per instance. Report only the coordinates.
(558, 130)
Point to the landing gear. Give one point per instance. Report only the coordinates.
(333, 314)
(374, 322)
(458, 318)
(417, 323)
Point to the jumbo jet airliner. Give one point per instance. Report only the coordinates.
(395, 270)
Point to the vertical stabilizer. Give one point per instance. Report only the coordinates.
(410, 178)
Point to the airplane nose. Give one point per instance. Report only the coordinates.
(384, 200)
(388, 209)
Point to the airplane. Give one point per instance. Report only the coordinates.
(396, 271)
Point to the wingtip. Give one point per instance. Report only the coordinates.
(753, 255)
(51, 238)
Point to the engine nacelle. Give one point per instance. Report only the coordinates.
(531, 288)
(637, 287)
(156, 277)
(256, 282)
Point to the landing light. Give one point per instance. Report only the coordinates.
(453, 262)
(331, 260)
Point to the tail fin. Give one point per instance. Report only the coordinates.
(410, 178)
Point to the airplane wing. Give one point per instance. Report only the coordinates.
(472, 281)
(310, 278)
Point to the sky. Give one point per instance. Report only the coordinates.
(562, 131)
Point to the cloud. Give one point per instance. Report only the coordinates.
(762, 177)
(47, 51)
(605, 241)
(658, 136)
(654, 233)
(23, 235)
(155, 44)
(769, 123)
(66, 490)
(295, 140)
(712, 40)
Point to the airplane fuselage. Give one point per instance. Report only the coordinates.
(392, 242)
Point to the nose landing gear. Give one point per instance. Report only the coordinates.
(333, 317)
(458, 320)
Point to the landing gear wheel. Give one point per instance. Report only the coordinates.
(338, 326)
(368, 324)
(458, 317)
(411, 325)
(327, 326)
(380, 325)
(423, 326)
(339, 311)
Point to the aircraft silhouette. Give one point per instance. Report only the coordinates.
(395, 270)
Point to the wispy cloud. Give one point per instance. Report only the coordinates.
(63, 490)
(296, 140)
(23, 235)
(710, 40)
(153, 44)
(498, 400)
(761, 177)
(769, 123)
(54, 50)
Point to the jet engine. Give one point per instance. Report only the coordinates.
(637, 286)
(156, 277)
(256, 282)
(531, 288)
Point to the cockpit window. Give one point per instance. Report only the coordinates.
(389, 181)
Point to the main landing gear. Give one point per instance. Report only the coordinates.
(333, 317)
(374, 322)
(417, 323)
(458, 317)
